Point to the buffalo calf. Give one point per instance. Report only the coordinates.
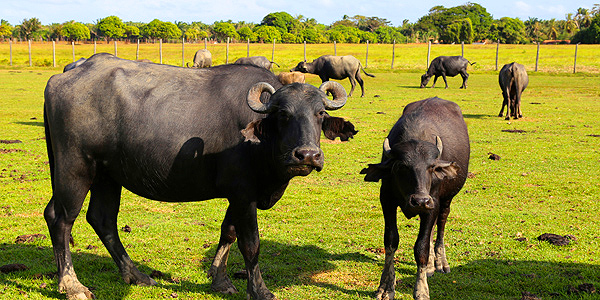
(423, 166)
(446, 66)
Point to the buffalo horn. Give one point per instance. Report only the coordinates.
(254, 97)
(438, 143)
(387, 150)
(338, 92)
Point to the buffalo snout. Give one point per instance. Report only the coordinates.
(309, 156)
(421, 201)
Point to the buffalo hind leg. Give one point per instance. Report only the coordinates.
(71, 182)
(218, 270)
(387, 284)
(465, 77)
(102, 215)
(361, 82)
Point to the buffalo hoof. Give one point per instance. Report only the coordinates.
(263, 296)
(138, 278)
(507, 118)
(80, 292)
(382, 294)
(443, 270)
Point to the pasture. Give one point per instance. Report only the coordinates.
(323, 239)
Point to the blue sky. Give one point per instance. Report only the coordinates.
(324, 11)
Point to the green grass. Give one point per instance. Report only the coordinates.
(324, 238)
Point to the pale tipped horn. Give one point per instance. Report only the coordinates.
(387, 150)
(338, 92)
(254, 97)
(438, 143)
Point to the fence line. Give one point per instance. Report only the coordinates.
(183, 42)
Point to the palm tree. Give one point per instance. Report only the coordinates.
(570, 24)
(584, 17)
(29, 27)
(552, 30)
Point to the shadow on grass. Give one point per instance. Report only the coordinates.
(476, 116)
(282, 265)
(32, 123)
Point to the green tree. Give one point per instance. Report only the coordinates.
(267, 34)
(246, 33)
(222, 30)
(29, 27)
(509, 31)
(75, 31)
(111, 27)
(283, 21)
(158, 29)
(5, 29)
(589, 35)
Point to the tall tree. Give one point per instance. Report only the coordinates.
(29, 27)
(75, 31)
(5, 29)
(111, 27)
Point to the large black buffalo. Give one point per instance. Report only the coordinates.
(178, 134)
(446, 66)
(335, 67)
(259, 61)
(513, 80)
(423, 166)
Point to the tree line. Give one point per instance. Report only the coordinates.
(467, 23)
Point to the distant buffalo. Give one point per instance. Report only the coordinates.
(335, 67)
(74, 64)
(259, 61)
(513, 80)
(202, 59)
(447, 66)
(291, 77)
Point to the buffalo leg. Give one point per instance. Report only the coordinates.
(434, 80)
(465, 77)
(361, 82)
(445, 81)
(246, 227)
(71, 182)
(387, 284)
(218, 269)
(505, 95)
(518, 113)
(422, 252)
(352, 85)
(102, 215)
(441, 262)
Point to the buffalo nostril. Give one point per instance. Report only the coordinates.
(421, 201)
(307, 155)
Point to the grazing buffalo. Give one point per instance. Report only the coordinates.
(291, 77)
(335, 67)
(177, 135)
(423, 166)
(513, 80)
(259, 61)
(74, 64)
(202, 59)
(446, 66)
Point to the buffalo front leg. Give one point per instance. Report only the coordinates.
(422, 252)
(246, 227)
(218, 270)
(387, 284)
(70, 184)
(434, 80)
(102, 215)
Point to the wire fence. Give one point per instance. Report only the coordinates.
(490, 57)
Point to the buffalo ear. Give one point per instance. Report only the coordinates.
(257, 131)
(445, 169)
(376, 172)
(334, 127)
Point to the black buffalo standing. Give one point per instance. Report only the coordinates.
(335, 67)
(259, 61)
(446, 66)
(513, 80)
(202, 59)
(177, 135)
(423, 166)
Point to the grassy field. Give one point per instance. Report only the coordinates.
(323, 240)
(552, 59)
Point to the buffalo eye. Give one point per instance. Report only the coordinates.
(284, 116)
(322, 114)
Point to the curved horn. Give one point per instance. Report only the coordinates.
(254, 97)
(438, 143)
(338, 92)
(387, 150)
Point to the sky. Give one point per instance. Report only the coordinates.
(252, 11)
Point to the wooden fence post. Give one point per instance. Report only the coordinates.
(204, 43)
(227, 52)
(182, 52)
(137, 50)
(10, 51)
(334, 48)
(73, 49)
(394, 52)
(160, 50)
(367, 56)
(462, 49)
(116, 48)
(537, 56)
(497, 46)
(575, 61)
(248, 49)
(53, 54)
(428, 53)
(273, 52)
(304, 50)
(29, 43)
(94, 46)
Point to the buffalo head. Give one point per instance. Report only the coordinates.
(302, 66)
(424, 80)
(296, 114)
(415, 167)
